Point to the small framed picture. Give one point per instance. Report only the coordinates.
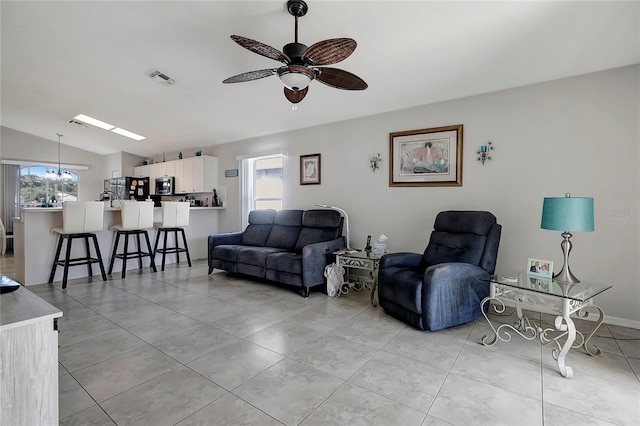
(540, 268)
(310, 169)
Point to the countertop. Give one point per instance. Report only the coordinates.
(106, 209)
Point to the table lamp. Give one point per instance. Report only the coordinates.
(567, 214)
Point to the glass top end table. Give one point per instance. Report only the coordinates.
(544, 295)
(363, 260)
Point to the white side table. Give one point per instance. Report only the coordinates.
(546, 296)
(362, 260)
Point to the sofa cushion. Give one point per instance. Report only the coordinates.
(256, 255)
(285, 262)
(285, 230)
(257, 232)
(317, 226)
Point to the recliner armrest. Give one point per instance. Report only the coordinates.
(400, 260)
(315, 257)
(451, 293)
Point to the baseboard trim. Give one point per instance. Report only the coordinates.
(622, 322)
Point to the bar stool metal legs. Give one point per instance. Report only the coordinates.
(126, 254)
(69, 261)
(173, 249)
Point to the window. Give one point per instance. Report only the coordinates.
(261, 184)
(37, 187)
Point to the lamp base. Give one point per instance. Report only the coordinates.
(565, 275)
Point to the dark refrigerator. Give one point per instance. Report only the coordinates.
(130, 188)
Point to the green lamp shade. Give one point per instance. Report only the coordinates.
(567, 214)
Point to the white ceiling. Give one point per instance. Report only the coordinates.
(62, 58)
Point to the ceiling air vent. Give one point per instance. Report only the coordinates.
(161, 77)
(76, 122)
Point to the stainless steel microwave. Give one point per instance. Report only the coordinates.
(164, 185)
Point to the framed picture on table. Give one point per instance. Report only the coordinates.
(310, 169)
(427, 157)
(540, 268)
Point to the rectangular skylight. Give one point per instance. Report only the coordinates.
(106, 126)
(94, 122)
(128, 134)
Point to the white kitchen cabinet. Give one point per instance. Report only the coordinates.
(141, 171)
(179, 184)
(153, 174)
(166, 168)
(196, 174)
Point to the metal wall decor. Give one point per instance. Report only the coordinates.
(375, 161)
(483, 152)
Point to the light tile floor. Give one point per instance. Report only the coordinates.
(182, 347)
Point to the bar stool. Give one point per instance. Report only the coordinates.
(136, 217)
(175, 215)
(80, 220)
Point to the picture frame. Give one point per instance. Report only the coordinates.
(540, 268)
(310, 169)
(426, 157)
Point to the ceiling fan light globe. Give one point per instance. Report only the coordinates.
(295, 77)
(295, 81)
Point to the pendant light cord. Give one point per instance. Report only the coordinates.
(59, 168)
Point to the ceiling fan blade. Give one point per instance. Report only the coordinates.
(261, 48)
(340, 79)
(295, 96)
(330, 51)
(251, 75)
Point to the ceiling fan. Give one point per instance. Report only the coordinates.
(303, 64)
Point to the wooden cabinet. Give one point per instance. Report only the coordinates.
(28, 360)
(196, 174)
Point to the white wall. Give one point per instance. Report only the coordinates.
(579, 135)
(23, 146)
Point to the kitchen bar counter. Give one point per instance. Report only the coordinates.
(34, 244)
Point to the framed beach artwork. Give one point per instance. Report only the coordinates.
(310, 169)
(427, 157)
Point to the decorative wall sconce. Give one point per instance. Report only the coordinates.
(483, 153)
(374, 162)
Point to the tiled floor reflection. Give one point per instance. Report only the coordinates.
(182, 347)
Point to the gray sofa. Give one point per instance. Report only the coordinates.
(289, 246)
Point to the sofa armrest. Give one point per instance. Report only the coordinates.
(223, 239)
(400, 260)
(452, 293)
(315, 257)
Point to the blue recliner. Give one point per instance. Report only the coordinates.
(442, 287)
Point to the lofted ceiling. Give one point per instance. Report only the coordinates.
(63, 58)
